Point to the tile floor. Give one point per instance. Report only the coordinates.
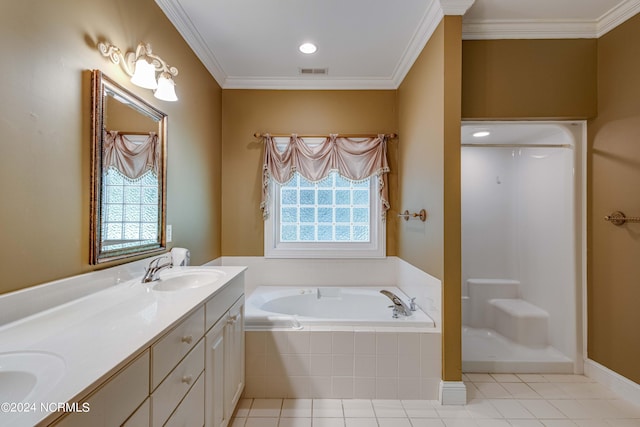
(495, 400)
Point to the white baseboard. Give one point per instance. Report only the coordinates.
(453, 393)
(627, 389)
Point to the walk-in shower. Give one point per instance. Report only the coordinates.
(521, 247)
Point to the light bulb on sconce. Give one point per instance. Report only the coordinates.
(142, 65)
(166, 90)
(144, 74)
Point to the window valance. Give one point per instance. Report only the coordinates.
(353, 158)
(131, 155)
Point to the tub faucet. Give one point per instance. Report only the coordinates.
(154, 268)
(399, 306)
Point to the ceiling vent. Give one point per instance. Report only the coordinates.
(313, 71)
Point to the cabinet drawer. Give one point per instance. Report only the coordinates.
(167, 396)
(167, 352)
(219, 304)
(190, 413)
(117, 399)
(140, 418)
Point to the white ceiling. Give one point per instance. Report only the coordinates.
(364, 44)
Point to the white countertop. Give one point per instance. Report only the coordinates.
(99, 333)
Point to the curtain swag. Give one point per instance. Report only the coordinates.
(353, 158)
(131, 157)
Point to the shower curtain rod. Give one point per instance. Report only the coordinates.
(519, 145)
(344, 135)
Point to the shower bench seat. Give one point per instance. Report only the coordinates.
(520, 321)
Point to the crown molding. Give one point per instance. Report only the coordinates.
(455, 7)
(617, 16)
(430, 21)
(301, 83)
(524, 29)
(180, 20)
(557, 29)
(428, 25)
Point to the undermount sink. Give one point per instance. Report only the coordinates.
(27, 375)
(187, 278)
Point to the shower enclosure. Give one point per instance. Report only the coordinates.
(522, 247)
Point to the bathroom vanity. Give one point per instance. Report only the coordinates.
(169, 353)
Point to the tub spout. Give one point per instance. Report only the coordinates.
(399, 306)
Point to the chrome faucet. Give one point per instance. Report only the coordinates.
(151, 274)
(399, 306)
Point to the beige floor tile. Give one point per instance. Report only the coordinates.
(242, 410)
(328, 422)
(506, 378)
(521, 391)
(549, 390)
(261, 422)
(295, 422)
(532, 378)
(265, 408)
(296, 408)
(426, 422)
(361, 422)
(493, 390)
(480, 378)
(394, 422)
(532, 401)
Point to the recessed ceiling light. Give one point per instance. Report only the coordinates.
(481, 134)
(308, 48)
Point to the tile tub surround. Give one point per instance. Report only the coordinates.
(281, 369)
(359, 363)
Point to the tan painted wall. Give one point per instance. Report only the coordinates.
(429, 176)
(614, 178)
(285, 111)
(47, 47)
(505, 79)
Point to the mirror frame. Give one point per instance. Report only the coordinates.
(99, 84)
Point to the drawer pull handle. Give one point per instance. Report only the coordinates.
(188, 339)
(233, 319)
(187, 379)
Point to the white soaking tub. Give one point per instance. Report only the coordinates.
(296, 307)
(338, 342)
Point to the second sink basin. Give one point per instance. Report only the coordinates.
(26, 375)
(187, 278)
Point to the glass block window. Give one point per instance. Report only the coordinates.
(130, 210)
(332, 210)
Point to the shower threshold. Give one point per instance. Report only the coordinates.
(485, 350)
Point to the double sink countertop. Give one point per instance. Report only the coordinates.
(72, 347)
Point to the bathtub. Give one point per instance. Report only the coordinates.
(298, 307)
(340, 343)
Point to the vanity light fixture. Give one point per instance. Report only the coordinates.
(142, 65)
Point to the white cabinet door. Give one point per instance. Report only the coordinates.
(234, 361)
(115, 400)
(214, 376)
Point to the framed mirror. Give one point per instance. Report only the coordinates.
(128, 173)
